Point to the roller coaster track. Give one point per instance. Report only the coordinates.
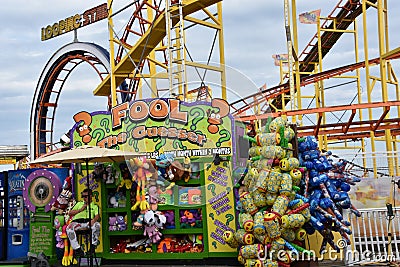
(276, 91)
(346, 14)
(342, 130)
(354, 130)
(50, 85)
(129, 63)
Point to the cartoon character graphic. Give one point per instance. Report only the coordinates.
(84, 129)
(215, 117)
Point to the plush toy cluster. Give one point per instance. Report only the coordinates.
(277, 206)
(117, 223)
(326, 186)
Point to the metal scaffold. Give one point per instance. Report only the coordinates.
(353, 108)
(151, 56)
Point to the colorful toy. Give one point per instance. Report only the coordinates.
(153, 222)
(274, 181)
(176, 171)
(247, 203)
(170, 219)
(163, 162)
(243, 237)
(121, 223)
(126, 179)
(259, 228)
(191, 218)
(58, 224)
(194, 196)
(187, 167)
(116, 199)
(272, 226)
(64, 197)
(110, 174)
(68, 257)
(285, 198)
(264, 139)
(327, 188)
(112, 223)
(140, 176)
(253, 251)
(153, 197)
(139, 220)
(259, 198)
(229, 238)
(246, 222)
(160, 219)
(281, 204)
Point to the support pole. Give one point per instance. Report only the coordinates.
(90, 263)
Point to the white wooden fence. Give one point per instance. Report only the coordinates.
(371, 242)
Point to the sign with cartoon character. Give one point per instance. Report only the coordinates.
(155, 126)
(186, 130)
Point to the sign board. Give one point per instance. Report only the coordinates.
(155, 126)
(7, 160)
(41, 239)
(220, 205)
(74, 22)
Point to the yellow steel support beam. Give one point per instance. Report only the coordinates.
(149, 40)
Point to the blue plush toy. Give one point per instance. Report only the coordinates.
(163, 162)
(327, 187)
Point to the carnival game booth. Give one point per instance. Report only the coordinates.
(26, 219)
(175, 201)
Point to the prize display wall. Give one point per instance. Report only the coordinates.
(186, 233)
(175, 200)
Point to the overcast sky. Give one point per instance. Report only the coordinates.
(253, 32)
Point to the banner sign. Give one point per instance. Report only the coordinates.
(373, 193)
(7, 161)
(310, 17)
(77, 21)
(155, 126)
(220, 206)
(280, 59)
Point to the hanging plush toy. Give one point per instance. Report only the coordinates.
(153, 197)
(163, 163)
(110, 174)
(58, 224)
(153, 222)
(187, 169)
(177, 171)
(140, 176)
(64, 197)
(126, 179)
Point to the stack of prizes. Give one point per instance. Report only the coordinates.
(272, 212)
(326, 186)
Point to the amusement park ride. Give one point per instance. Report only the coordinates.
(152, 58)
